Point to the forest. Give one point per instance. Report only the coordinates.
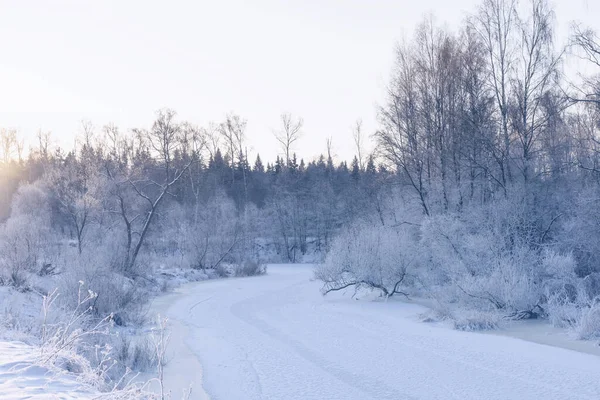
(481, 191)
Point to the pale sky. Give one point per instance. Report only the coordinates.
(119, 61)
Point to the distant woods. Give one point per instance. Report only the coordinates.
(177, 175)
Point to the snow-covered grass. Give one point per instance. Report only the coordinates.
(70, 353)
(22, 377)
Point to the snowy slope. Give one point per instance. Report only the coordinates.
(22, 378)
(276, 337)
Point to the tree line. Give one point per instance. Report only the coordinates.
(481, 135)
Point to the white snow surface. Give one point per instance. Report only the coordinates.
(276, 337)
(22, 378)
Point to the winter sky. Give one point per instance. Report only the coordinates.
(118, 61)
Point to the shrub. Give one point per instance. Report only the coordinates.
(588, 324)
(249, 268)
(379, 257)
(476, 321)
(143, 357)
(488, 259)
(221, 270)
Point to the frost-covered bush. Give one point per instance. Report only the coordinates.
(581, 316)
(64, 334)
(587, 325)
(382, 258)
(570, 306)
(580, 232)
(123, 296)
(591, 285)
(488, 259)
(249, 268)
(472, 321)
(472, 263)
(26, 242)
(73, 340)
(117, 295)
(142, 356)
(135, 353)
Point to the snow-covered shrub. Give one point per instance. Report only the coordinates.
(25, 238)
(562, 288)
(559, 266)
(580, 232)
(471, 320)
(249, 268)
(561, 312)
(122, 296)
(76, 342)
(487, 259)
(572, 308)
(588, 324)
(133, 352)
(142, 356)
(591, 285)
(221, 270)
(382, 258)
(64, 333)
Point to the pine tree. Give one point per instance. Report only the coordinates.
(371, 169)
(278, 165)
(258, 165)
(355, 169)
(217, 163)
(293, 165)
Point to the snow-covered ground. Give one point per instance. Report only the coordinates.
(276, 337)
(22, 378)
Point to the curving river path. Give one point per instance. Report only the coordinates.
(275, 337)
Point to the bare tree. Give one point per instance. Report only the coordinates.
(399, 139)
(87, 132)
(329, 144)
(213, 138)
(8, 144)
(20, 147)
(44, 142)
(233, 131)
(357, 135)
(586, 44)
(164, 138)
(194, 140)
(290, 132)
(113, 139)
(534, 76)
(496, 23)
(75, 189)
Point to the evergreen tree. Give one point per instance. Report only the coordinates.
(258, 165)
(371, 169)
(293, 166)
(278, 165)
(355, 169)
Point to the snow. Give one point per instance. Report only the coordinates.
(19, 311)
(276, 337)
(22, 378)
